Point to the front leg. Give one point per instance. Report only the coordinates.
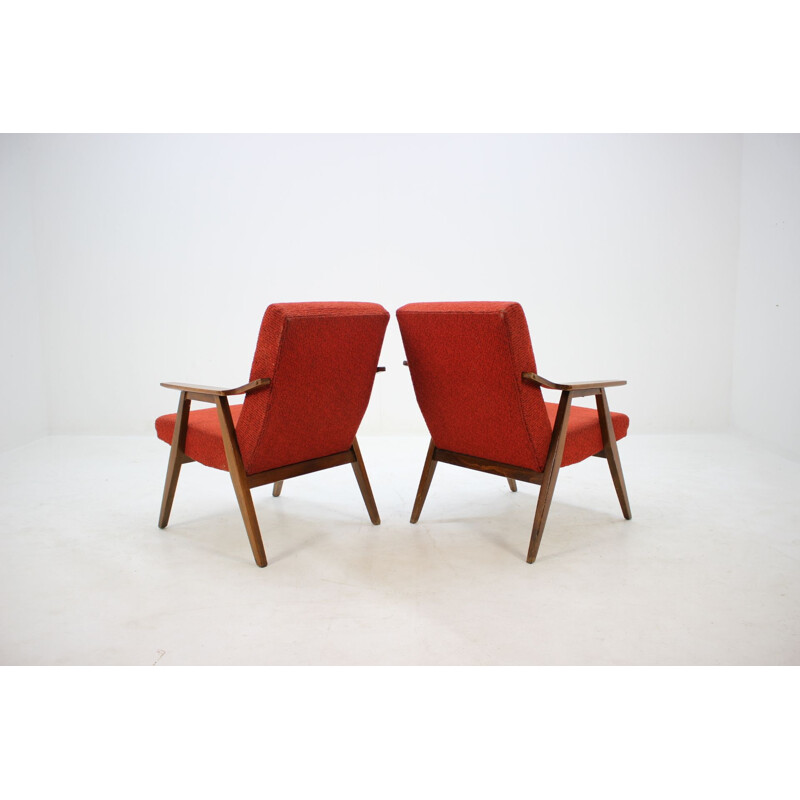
(551, 468)
(611, 452)
(239, 479)
(176, 458)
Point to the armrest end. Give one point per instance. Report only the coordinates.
(569, 387)
(218, 391)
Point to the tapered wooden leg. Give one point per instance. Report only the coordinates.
(176, 459)
(551, 468)
(363, 483)
(512, 484)
(612, 454)
(542, 509)
(239, 479)
(276, 488)
(424, 482)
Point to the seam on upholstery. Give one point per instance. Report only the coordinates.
(516, 386)
(268, 407)
(328, 316)
(460, 313)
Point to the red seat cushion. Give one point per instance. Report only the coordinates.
(204, 439)
(203, 435)
(584, 438)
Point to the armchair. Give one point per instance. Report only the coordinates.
(310, 383)
(475, 380)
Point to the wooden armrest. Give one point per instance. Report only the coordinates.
(216, 391)
(569, 387)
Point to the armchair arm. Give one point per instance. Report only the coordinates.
(569, 387)
(216, 391)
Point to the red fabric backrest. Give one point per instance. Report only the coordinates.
(466, 362)
(321, 358)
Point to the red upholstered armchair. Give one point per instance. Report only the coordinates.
(475, 380)
(309, 387)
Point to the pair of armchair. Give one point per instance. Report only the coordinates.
(474, 377)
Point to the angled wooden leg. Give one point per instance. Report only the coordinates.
(176, 459)
(512, 484)
(424, 482)
(276, 488)
(551, 468)
(612, 454)
(239, 479)
(363, 483)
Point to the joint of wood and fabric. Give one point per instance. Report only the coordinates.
(547, 478)
(242, 482)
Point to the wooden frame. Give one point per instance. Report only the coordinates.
(242, 482)
(547, 478)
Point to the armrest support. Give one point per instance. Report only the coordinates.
(569, 387)
(216, 391)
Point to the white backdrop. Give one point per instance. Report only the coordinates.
(156, 255)
(24, 395)
(766, 396)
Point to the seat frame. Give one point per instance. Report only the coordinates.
(547, 478)
(242, 482)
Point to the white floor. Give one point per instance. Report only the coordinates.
(707, 572)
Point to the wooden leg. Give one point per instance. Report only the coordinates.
(176, 459)
(551, 468)
(363, 483)
(612, 454)
(424, 482)
(239, 479)
(276, 488)
(512, 484)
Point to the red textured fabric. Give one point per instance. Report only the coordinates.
(203, 435)
(321, 358)
(584, 438)
(466, 362)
